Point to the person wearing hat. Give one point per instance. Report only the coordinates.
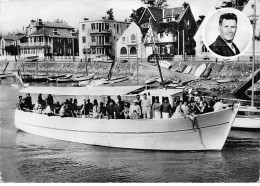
(135, 110)
(146, 106)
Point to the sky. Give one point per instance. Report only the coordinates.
(16, 14)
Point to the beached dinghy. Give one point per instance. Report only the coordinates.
(65, 79)
(83, 78)
(210, 131)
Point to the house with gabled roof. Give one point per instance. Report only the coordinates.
(49, 39)
(171, 30)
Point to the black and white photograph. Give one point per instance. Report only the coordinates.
(227, 32)
(129, 91)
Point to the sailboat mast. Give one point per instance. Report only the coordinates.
(253, 65)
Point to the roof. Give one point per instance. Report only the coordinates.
(55, 25)
(9, 37)
(157, 13)
(79, 91)
(49, 32)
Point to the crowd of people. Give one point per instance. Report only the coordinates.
(189, 106)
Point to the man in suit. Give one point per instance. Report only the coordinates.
(224, 45)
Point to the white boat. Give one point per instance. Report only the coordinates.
(199, 71)
(210, 132)
(165, 64)
(248, 118)
(83, 78)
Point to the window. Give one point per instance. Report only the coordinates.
(93, 39)
(84, 39)
(117, 28)
(123, 38)
(123, 50)
(93, 51)
(204, 49)
(83, 27)
(133, 38)
(107, 39)
(92, 26)
(132, 50)
(84, 50)
(162, 50)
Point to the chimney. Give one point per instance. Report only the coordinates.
(40, 21)
(185, 5)
(85, 19)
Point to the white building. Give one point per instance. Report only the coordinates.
(129, 45)
(97, 37)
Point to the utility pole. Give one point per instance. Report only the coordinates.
(183, 45)
(253, 65)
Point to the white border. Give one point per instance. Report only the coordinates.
(237, 12)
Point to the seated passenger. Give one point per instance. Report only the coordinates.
(96, 109)
(185, 109)
(205, 108)
(193, 113)
(50, 100)
(57, 108)
(38, 107)
(135, 110)
(21, 104)
(28, 102)
(47, 110)
(63, 110)
(219, 105)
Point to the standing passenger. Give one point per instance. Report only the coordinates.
(110, 110)
(166, 109)
(157, 109)
(28, 102)
(102, 110)
(135, 110)
(146, 105)
(96, 109)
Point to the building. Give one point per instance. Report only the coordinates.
(129, 45)
(49, 40)
(97, 37)
(168, 29)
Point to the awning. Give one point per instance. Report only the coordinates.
(77, 91)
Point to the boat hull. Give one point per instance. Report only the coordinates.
(247, 123)
(154, 134)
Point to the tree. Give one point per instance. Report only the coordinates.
(110, 15)
(136, 14)
(60, 21)
(156, 3)
(11, 49)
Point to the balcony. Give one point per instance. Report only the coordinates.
(100, 43)
(97, 31)
(35, 44)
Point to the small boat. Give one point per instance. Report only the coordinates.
(248, 118)
(5, 75)
(165, 64)
(118, 79)
(150, 81)
(53, 78)
(226, 80)
(39, 78)
(199, 71)
(65, 79)
(188, 69)
(181, 68)
(83, 78)
(209, 132)
(99, 82)
(207, 72)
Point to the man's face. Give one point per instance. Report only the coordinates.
(228, 29)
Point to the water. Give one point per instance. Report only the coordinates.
(28, 158)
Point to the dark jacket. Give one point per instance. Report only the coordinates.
(221, 48)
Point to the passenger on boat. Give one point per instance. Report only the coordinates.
(63, 110)
(50, 101)
(21, 104)
(28, 102)
(213, 101)
(127, 110)
(119, 109)
(47, 111)
(193, 112)
(197, 97)
(102, 110)
(219, 105)
(84, 109)
(38, 107)
(135, 110)
(110, 110)
(157, 109)
(139, 102)
(41, 101)
(75, 106)
(185, 109)
(96, 109)
(202, 100)
(178, 112)
(109, 100)
(57, 107)
(146, 106)
(166, 109)
(205, 108)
